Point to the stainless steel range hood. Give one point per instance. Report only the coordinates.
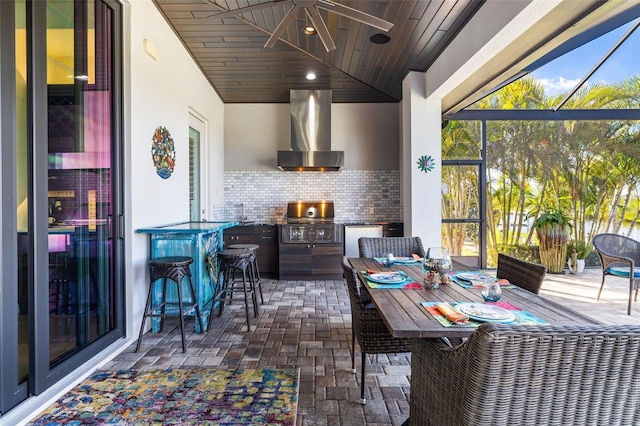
(310, 134)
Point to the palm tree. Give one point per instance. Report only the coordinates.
(461, 198)
(590, 168)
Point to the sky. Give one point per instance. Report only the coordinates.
(562, 74)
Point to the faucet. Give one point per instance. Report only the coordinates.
(243, 218)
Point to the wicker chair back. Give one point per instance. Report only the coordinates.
(514, 375)
(526, 275)
(398, 246)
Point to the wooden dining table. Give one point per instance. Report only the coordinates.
(405, 316)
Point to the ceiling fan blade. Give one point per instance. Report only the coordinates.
(321, 28)
(241, 10)
(355, 14)
(282, 26)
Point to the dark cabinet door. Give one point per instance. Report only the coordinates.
(264, 236)
(310, 261)
(267, 238)
(294, 261)
(326, 261)
(393, 229)
(238, 235)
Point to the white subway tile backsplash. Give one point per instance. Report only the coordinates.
(358, 195)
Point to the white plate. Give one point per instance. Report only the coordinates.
(404, 260)
(483, 312)
(473, 276)
(390, 278)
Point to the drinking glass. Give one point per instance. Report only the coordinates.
(491, 291)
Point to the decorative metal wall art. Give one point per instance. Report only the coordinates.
(163, 152)
(426, 163)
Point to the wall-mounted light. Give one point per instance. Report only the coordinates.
(310, 76)
(150, 48)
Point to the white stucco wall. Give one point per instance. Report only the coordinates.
(161, 91)
(367, 133)
(420, 136)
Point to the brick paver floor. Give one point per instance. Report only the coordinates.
(303, 324)
(307, 324)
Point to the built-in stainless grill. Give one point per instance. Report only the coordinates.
(310, 222)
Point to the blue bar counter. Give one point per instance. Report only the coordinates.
(200, 241)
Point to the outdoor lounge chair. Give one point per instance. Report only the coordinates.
(398, 246)
(526, 275)
(534, 375)
(620, 256)
(367, 326)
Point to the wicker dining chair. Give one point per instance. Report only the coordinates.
(526, 275)
(367, 327)
(529, 375)
(398, 246)
(619, 256)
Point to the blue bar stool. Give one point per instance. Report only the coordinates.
(174, 268)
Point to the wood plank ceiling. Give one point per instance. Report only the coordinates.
(230, 50)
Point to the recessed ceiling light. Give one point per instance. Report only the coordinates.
(379, 38)
(309, 30)
(310, 76)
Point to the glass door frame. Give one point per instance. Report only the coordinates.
(11, 392)
(198, 123)
(41, 375)
(482, 195)
(196, 212)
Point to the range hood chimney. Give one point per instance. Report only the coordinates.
(310, 134)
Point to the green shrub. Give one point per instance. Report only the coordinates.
(582, 249)
(529, 253)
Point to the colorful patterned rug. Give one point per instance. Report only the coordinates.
(179, 397)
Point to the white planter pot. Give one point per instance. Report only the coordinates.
(577, 268)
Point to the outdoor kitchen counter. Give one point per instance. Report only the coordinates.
(200, 241)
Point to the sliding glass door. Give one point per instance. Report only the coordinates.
(65, 207)
(79, 175)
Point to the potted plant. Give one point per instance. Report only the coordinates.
(577, 252)
(552, 228)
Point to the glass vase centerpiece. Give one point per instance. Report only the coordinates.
(436, 265)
